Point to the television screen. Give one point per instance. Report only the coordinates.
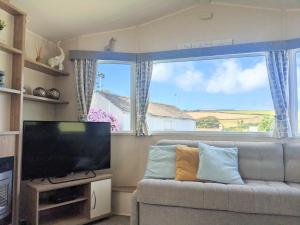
(55, 149)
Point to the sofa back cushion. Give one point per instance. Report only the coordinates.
(187, 163)
(219, 164)
(292, 162)
(161, 162)
(257, 160)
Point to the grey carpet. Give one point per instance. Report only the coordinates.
(114, 220)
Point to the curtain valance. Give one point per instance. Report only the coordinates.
(189, 53)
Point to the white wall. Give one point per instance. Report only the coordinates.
(240, 24)
(243, 25)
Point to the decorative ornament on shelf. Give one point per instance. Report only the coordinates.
(2, 80)
(39, 51)
(110, 47)
(27, 90)
(53, 93)
(39, 91)
(57, 61)
(2, 24)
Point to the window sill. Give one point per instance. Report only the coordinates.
(230, 136)
(123, 133)
(218, 135)
(203, 133)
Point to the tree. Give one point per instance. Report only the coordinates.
(208, 122)
(266, 124)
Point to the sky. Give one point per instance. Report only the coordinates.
(217, 84)
(116, 78)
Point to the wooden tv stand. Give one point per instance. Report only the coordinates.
(92, 202)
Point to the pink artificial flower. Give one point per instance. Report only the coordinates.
(98, 115)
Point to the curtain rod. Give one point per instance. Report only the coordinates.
(188, 53)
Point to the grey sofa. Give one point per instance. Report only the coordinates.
(270, 196)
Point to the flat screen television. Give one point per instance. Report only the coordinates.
(56, 149)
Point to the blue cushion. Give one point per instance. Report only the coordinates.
(219, 164)
(161, 162)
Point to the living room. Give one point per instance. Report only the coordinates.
(166, 73)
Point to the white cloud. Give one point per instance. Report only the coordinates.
(191, 80)
(162, 72)
(230, 78)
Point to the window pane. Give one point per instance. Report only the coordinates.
(298, 86)
(111, 99)
(229, 94)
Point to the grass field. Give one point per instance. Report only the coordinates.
(237, 120)
(250, 112)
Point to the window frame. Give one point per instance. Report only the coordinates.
(293, 92)
(216, 133)
(132, 93)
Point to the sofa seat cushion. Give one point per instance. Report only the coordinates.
(261, 197)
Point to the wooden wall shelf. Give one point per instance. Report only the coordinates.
(44, 68)
(12, 140)
(9, 91)
(5, 133)
(45, 100)
(8, 49)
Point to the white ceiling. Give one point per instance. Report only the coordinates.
(275, 4)
(63, 19)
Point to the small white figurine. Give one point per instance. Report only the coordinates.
(111, 45)
(58, 60)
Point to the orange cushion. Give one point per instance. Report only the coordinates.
(187, 162)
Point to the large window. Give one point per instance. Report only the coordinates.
(111, 99)
(221, 94)
(298, 86)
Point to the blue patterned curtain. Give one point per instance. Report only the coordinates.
(278, 70)
(85, 73)
(143, 78)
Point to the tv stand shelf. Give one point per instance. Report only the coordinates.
(46, 206)
(92, 200)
